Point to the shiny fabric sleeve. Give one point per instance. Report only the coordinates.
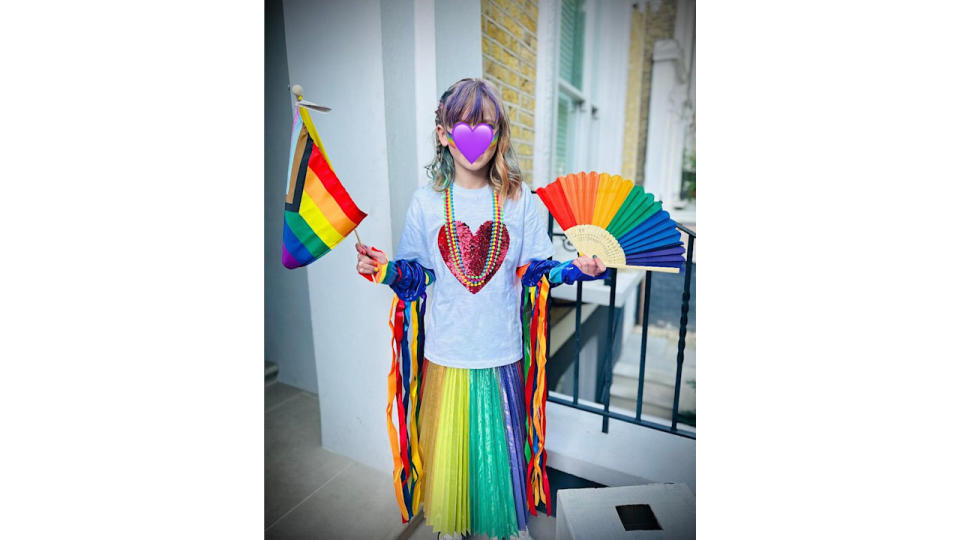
(532, 271)
(409, 278)
(557, 272)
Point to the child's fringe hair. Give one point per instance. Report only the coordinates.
(466, 100)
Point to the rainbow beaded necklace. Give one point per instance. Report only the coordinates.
(452, 239)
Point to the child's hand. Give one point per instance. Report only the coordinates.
(369, 260)
(592, 266)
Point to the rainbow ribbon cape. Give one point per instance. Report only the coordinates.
(319, 212)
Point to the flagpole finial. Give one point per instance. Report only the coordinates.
(297, 90)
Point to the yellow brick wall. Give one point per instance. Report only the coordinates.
(631, 125)
(510, 62)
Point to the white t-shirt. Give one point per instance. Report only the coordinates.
(476, 327)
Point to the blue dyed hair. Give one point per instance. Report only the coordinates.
(474, 101)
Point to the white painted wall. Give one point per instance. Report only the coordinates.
(396, 21)
(425, 83)
(459, 51)
(334, 51)
(288, 336)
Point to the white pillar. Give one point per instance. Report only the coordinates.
(666, 130)
(339, 70)
(459, 42)
(548, 21)
(425, 82)
(609, 91)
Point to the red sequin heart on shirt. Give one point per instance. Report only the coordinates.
(473, 250)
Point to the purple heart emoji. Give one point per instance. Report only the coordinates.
(472, 141)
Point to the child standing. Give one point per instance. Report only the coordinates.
(475, 232)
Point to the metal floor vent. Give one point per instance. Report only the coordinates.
(638, 517)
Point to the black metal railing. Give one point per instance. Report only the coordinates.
(606, 367)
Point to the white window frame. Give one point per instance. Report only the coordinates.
(582, 128)
(545, 120)
(549, 86)
(602, 106)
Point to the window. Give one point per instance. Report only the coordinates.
(571, 42)
(570, 85)
(566, 121)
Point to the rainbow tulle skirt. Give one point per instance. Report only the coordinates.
(472, 445)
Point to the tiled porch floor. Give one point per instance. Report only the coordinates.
(312, 493)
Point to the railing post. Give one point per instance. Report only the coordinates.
(608, 364)
(636, 310)
(643, 340)
(684, 308)
(576, 344)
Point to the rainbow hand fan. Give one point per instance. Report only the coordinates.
(614, 219)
